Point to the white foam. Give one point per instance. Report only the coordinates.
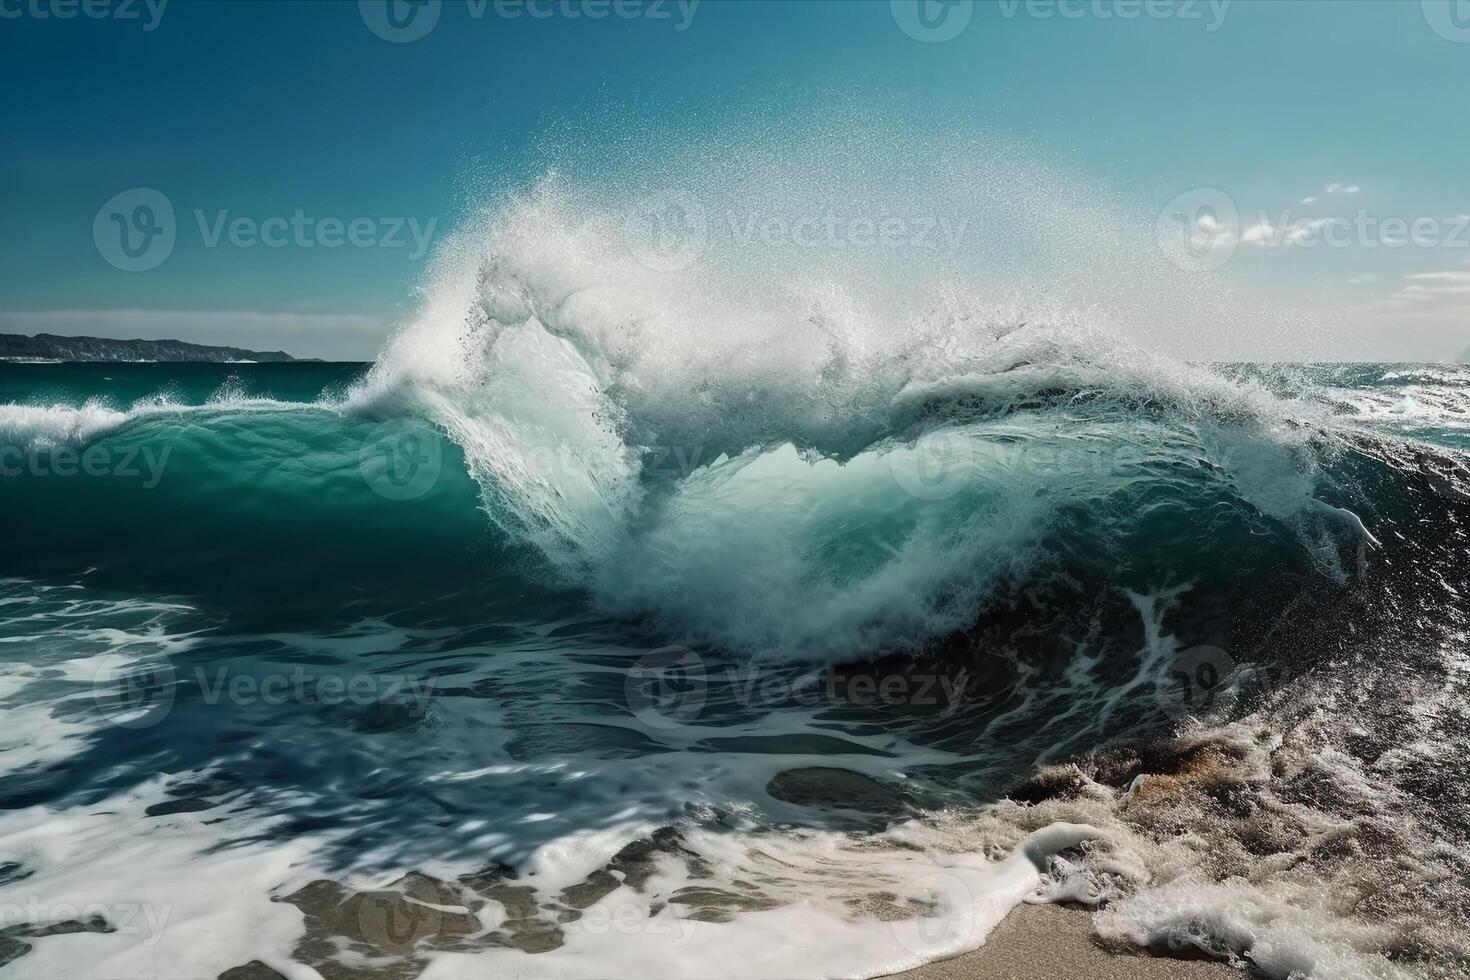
(1237, 922)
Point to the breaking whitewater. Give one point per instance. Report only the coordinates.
(658, 605)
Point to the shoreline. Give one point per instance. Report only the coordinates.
(1047, 942)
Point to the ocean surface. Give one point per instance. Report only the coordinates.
(559, 643)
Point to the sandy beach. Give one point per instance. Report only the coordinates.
(1047, 942)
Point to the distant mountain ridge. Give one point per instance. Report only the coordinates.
(50, 347)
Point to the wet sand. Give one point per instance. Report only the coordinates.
(1044, 942)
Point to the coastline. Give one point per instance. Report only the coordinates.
(1044, 942)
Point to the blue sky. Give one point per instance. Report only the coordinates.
(301, 113)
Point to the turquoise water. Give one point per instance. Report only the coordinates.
(264, 625)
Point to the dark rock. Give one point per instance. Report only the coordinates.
(1051, 783)
(831, 787)
(254, 970)
(50, 347)
(186, 805)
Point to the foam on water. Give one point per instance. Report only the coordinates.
(775, 455)
(783, 457)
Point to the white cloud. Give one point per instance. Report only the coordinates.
(1303, 231)
(1439, 289)
(1309, 200)
(331, 336)
(1266, 235)
(1262, 234)
(1440, 277)
(1365, 277)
